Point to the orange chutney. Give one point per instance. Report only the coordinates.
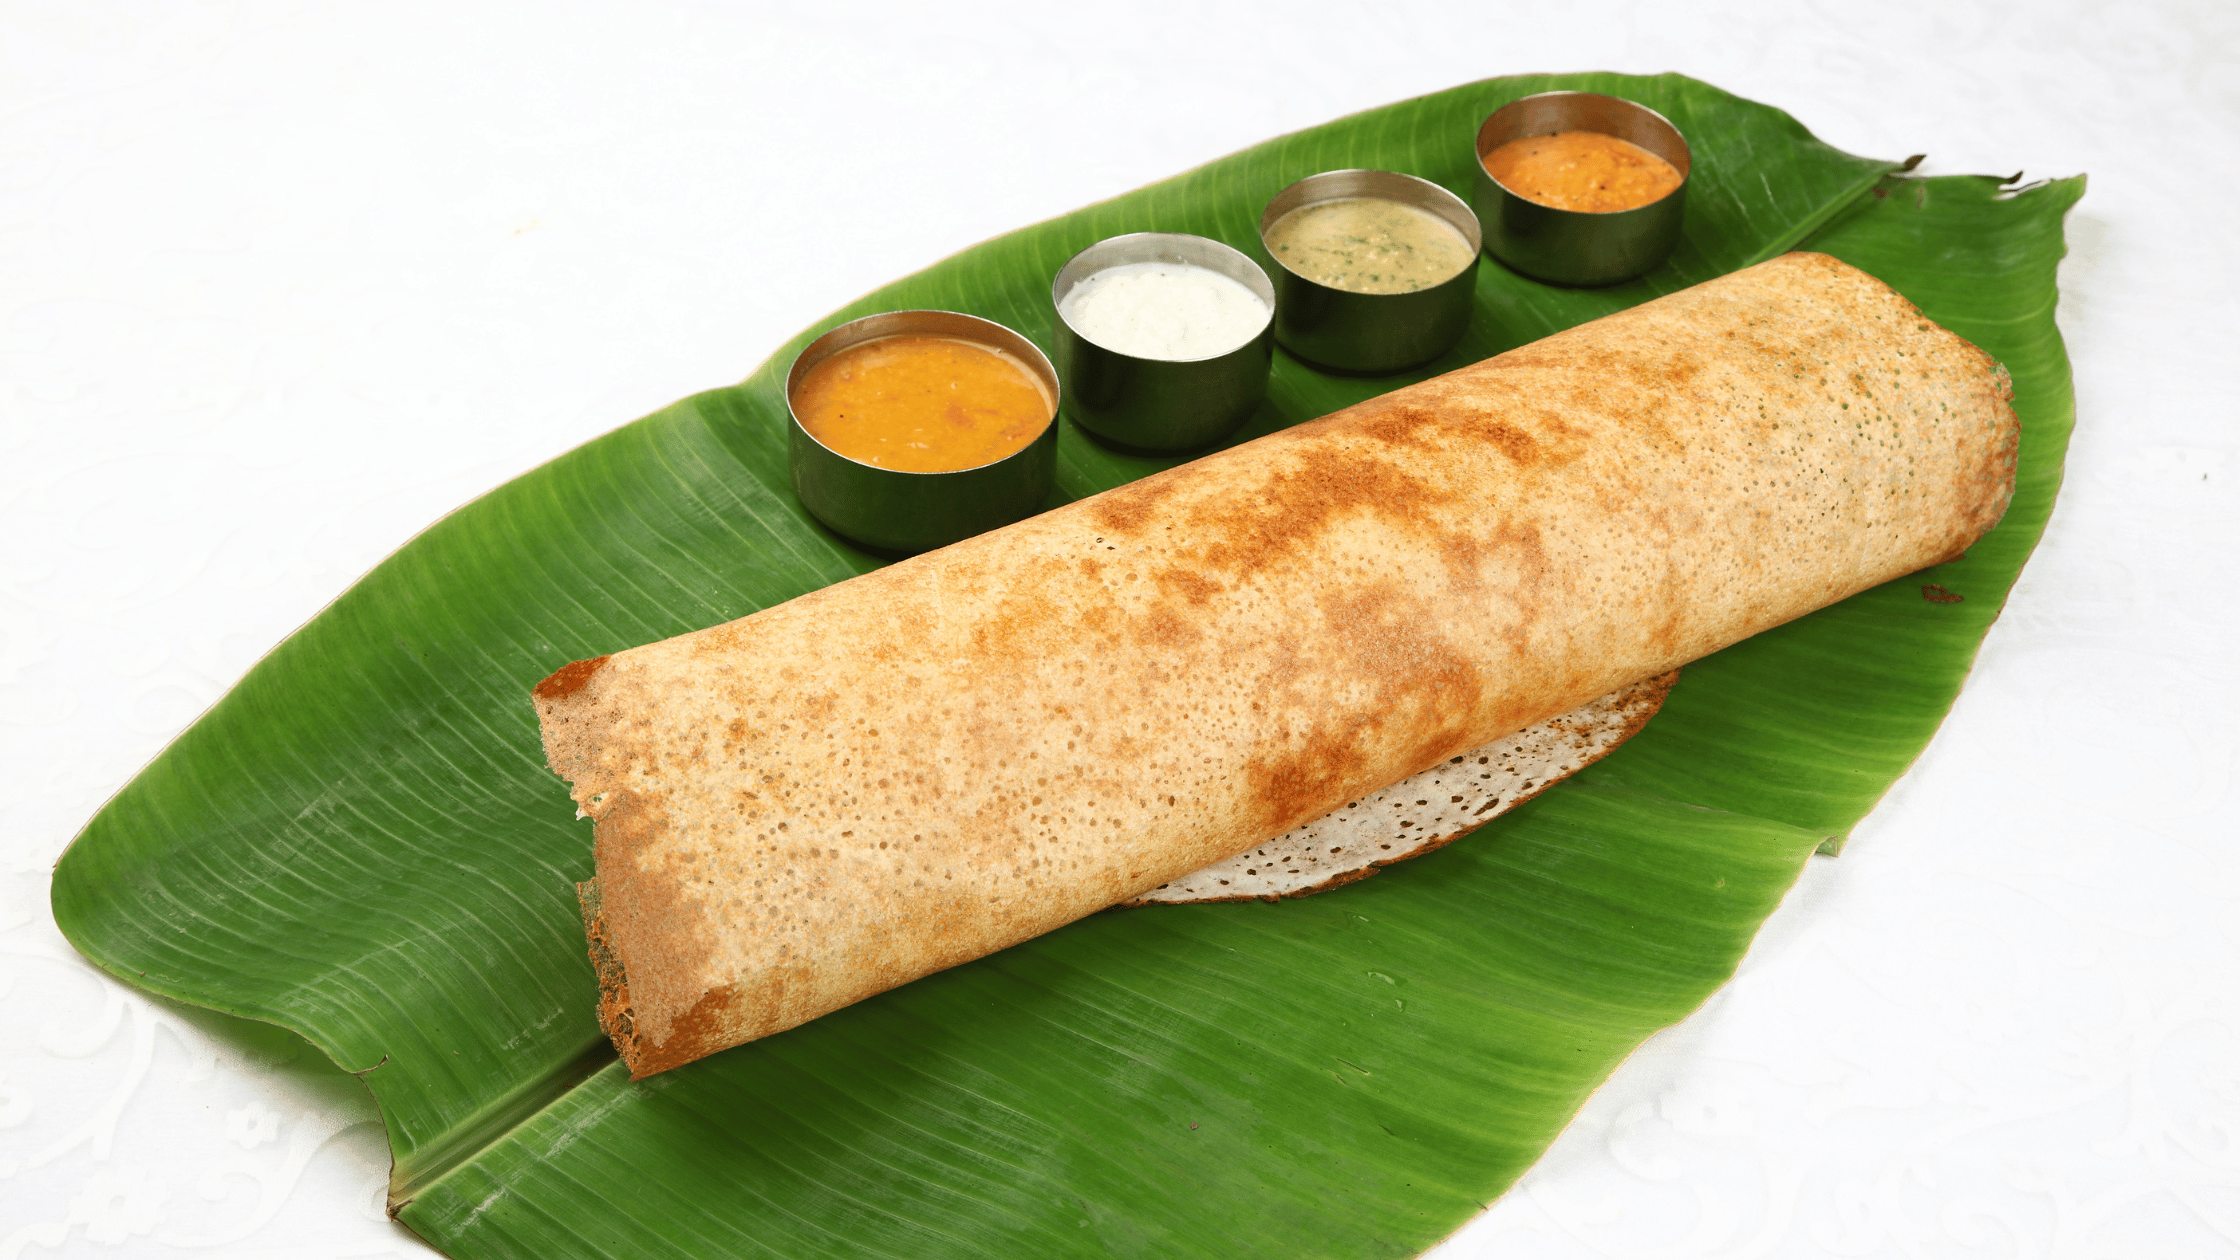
(922, 404)
(1582, 170)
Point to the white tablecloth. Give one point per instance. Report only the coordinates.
(282, 283)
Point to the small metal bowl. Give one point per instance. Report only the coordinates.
(1579, 247)
(1160, 404)
(898, 511)
(1371, 332)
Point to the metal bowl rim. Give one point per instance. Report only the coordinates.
(1047, 373)
(1469, 217)
(1685, 147)
(1057, 300)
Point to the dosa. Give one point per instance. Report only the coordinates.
(925, 764)
(1425, 811)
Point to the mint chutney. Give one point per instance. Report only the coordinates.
(1369, 245)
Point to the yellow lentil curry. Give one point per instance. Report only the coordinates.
(922, 404)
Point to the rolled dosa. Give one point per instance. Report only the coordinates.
(928, 763)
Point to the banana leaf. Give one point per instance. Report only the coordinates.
(360, 841)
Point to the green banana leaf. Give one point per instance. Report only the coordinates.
(360, 841)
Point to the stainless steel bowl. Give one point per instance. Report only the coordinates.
(1160, 404)
(1578, 247)
(1371, 332)
(898, 511)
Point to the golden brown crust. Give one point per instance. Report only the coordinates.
(928, 763)
(1451, 800)
(568, 679)
(614, 985)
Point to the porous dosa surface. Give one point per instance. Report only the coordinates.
(955, 753)
(1424, 811)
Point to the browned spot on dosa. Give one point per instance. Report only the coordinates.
(653, 928)
(1304, 861)
(1420, 697)
(1127, 509)
(568, 679)
(699, 1032)
(1296, 503)
(614, 987)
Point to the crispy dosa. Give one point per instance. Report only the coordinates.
(923, 765)
(1424, 812)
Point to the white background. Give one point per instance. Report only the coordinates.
(282, 283)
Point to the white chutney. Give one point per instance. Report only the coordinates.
(1161, 310)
